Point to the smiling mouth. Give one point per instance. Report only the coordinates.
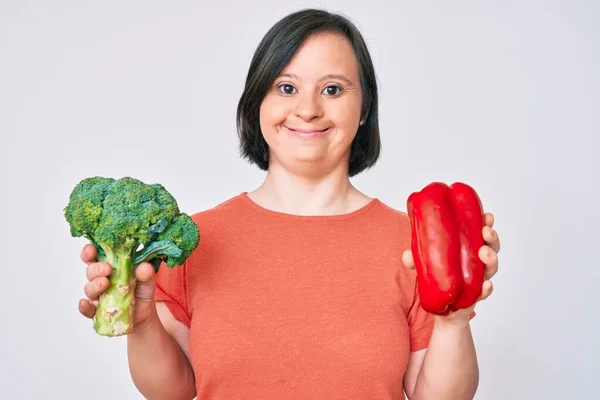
(309, 133)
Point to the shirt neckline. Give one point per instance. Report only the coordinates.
(316, 217)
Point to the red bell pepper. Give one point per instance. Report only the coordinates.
(446, 229)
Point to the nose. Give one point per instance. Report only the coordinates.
(308, 107)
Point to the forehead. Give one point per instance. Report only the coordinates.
(324, 53)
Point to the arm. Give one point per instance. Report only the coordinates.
(164, 372)
(448, 368)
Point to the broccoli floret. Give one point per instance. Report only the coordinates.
(129, 222)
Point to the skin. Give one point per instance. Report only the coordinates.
(171, 375)
(448, 367)
(320, 88)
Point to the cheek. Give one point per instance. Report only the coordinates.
(272, 115)
(272, 112)
(345, 115)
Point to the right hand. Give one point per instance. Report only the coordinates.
(97, 274)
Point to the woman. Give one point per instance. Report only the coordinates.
(305, 287)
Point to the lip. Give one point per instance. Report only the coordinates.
(309, 133)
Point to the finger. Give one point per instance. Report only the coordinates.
(407, 259)
(95, 270)
(146, 283)
(145, 273)
(489, 219)
(94, 288)
(89, 253)
(489, 257)
(491, 238)
(87, 308)
(486, 290)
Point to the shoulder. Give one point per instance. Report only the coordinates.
(399, 225)
(386, 213)
(207, 218)
(219, 220)
(210, 223)
(391, 211)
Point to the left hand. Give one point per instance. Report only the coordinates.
(488, 254)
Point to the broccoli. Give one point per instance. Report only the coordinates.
(129, 222)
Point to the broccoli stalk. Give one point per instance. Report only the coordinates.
(114, 313)
(129, 222)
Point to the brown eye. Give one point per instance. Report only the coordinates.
(286, 89)
(333, 90)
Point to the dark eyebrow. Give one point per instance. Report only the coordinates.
(328, 76)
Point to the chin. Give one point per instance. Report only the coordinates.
(312, 157)
(309, 161)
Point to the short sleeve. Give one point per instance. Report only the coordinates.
(420, 324)
(171, 288)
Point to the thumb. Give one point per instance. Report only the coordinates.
(407, 259)
(146, 282)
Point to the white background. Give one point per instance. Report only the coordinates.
(502, 95)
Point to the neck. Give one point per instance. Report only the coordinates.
(298, 194)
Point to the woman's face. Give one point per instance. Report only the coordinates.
(312, 111)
